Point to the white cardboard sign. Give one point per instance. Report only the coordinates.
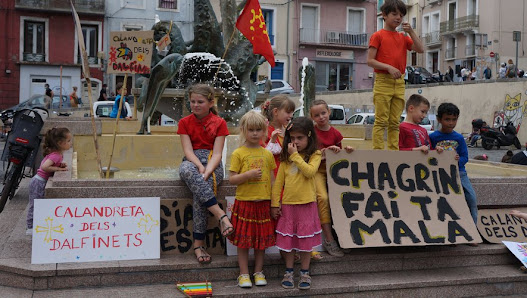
(98, 229)
(519, 250)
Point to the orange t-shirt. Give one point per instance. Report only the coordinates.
(391, 48)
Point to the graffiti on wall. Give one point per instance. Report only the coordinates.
(513, 111)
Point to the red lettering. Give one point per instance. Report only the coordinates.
(138, 239)
(55, 244)
(56, 211)
(84, 227)
(115, 241)
(127, 239)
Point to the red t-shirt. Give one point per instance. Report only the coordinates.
(412, 136)
(391, 48)
(329, 138)
(203, 132)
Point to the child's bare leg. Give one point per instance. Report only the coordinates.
(243, 260)
(328, 234)
(258, 260)
(289, 258)
(305, 260)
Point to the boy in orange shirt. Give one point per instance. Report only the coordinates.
(387, 55)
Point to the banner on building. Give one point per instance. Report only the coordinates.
(130, 52)
(497, 225)
(88, 230)
(392, 198)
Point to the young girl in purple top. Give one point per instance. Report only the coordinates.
(56, 141)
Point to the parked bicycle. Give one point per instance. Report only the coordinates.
(21, 147)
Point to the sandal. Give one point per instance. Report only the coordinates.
(225, 231)
(316, 256)
(204, 258)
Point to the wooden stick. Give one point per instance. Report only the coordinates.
(123, 94)
(87, 76)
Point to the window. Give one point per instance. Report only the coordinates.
(268, 17)
(355, 21)
(380, 23)
(167, 4)
(34, 41)
(309, 24)
(414, 23)
(90, 33)
(277, 84)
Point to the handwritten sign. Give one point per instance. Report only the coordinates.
(519, 250)
(177, 227)
(130, 51)
(496, 225)
(88, 230)
(391, 198)
(163, 42)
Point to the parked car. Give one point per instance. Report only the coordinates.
(337, 115)
(278, 87)
(103, 109)
(369, 118)
(420, 75)
(42, 101)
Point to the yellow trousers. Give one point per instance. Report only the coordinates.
(388, 98)
(322, 195)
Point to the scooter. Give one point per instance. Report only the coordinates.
(503, 136)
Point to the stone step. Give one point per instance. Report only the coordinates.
(480, 281)
(19, 272)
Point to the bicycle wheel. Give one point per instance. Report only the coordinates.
(11, 184)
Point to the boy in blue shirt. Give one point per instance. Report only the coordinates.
(448, 139)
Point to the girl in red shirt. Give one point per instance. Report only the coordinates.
(202, 135)
(328, 138)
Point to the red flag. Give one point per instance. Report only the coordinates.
(251, 24)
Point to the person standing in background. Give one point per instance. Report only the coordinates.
(49, 92)
(102, 95)
(74, 99)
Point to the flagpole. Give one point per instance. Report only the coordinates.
(223, 57)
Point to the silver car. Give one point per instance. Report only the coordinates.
(278, 87)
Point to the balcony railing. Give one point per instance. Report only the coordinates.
(81, 6)
(470, 50)
(433, 38)
(466, 23)
(34, 57)
(450, 53)
(167, 4)
(333, 37)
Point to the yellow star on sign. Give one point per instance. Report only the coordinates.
(140, 57)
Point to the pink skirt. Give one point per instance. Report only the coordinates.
(298, 228)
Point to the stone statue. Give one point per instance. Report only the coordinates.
(161, 75)
(237, 67)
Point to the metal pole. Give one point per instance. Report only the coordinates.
(516, 63)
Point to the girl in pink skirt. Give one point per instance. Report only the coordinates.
(298, 226)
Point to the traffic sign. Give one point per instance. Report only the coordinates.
(491, 54)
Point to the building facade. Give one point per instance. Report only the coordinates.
(43, 46)
(334, 36)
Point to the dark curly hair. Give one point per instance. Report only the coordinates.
(447, 108)
(304, 126)
(52, 139)
(393, 6)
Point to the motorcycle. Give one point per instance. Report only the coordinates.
(22, 144)
(502, 136)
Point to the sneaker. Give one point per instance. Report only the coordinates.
(29, 232)
(333, 248)
(470, 145)
(287, 281)
(259, 279)
(244, 281)
(305, 281)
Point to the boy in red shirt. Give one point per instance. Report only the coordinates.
(387, 55)
(413, 137)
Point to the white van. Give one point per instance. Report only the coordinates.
(102, 109)
(337, 115)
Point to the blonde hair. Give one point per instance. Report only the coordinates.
(279, 102)
(252, 120)
(205, 90)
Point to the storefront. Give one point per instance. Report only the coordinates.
(334, 69)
